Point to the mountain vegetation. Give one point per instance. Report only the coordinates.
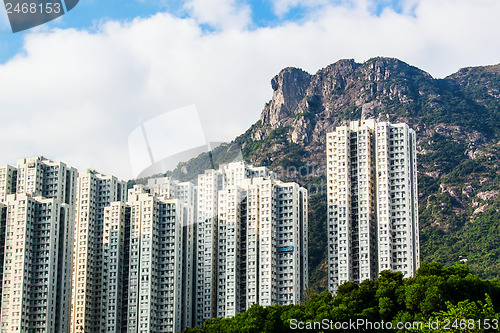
(457, 121)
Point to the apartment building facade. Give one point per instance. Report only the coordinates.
(186, 193)
(94, 193)
(80, 253)
(39, 220)
(372, 201)
(115, 267)
(254, 228)
(155, 269)
(8, 181)
(276, 242)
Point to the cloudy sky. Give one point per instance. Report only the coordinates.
(76, 89)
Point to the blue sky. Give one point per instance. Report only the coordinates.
(84, 16)
(76, 88)
(89, 13)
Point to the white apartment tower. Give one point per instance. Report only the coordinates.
(38, 176)
(155, 268)
(231, 221)
(167, 188)
(209, 183)
(209, 258)
(397, 204)
(38, 243)
(251, 241)
(372, 201)
(147, 262)
(3, 220)
(276, 242)
(8, 180)
(292, 264)
(115, 267)
(95, 192)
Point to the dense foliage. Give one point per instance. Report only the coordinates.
(435, 294)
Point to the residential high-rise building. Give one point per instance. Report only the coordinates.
(3, 221)
(78, 253)
(167, 188)
(115, 267)
(209, 184)
(38, 244)
(276, 242)
(207, 300)
(155, 269)
(397, 204)
(8, 181)
(95, 192)
(251, 241)
(231, 221)
(372, 201)
(130, 270)
(38, 176)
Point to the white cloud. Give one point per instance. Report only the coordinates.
(76, 96)
(220, 14)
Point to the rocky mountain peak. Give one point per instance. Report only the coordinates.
(289, 88)
(382, 68)
(480, 69)
(482, 78)
(345, 88)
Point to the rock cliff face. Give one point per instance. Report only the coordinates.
(289, 88)
(388, 88)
